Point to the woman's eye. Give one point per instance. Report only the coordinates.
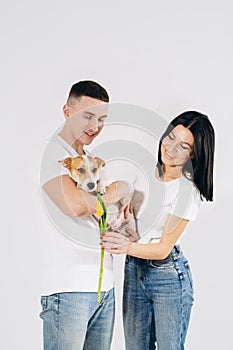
(81, 170)
(170, 137)
(183, 147)
(94, 170)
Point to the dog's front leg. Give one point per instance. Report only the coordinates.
(101, 187)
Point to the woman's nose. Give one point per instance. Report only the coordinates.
(171, 148)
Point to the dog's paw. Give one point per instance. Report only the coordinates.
(101, 189)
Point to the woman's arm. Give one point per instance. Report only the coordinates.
(115, 243)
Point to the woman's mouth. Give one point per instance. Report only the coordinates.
(168, 155)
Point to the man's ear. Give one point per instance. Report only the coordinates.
(66, 162)
(66, 111)
(100, 162)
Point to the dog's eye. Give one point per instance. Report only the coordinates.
(81, 170)
(94, 170)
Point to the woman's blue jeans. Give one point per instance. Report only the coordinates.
(77, 321)
(157, 302)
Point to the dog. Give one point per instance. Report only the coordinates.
(90, 175)
(87, 172)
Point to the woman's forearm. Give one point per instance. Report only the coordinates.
(156, 251)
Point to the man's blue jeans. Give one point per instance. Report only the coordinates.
(157, 303)
(77, 321)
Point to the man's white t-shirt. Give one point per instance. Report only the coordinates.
(71, 252)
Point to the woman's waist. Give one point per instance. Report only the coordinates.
(173, 256)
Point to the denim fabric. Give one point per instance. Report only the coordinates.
(157, 302)
(77, 321)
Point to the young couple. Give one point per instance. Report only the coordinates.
(158, 290)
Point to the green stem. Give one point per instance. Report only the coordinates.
(102, 229)
(100, 273)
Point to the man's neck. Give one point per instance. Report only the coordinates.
(76, 145)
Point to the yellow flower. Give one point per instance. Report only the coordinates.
(99, 208)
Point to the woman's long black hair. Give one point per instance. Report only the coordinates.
(199, 168)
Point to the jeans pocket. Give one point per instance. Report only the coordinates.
(188, 272)
(43, 302)
(160, 265)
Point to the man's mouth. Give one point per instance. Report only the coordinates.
(90, 134)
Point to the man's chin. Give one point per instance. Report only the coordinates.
(88, 140)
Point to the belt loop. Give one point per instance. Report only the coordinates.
(175, 253)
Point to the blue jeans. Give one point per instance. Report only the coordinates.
(157, 302)
(77, 321)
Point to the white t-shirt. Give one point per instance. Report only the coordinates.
(181, 198)
(71, 252)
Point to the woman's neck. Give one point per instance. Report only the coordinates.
(170, 173)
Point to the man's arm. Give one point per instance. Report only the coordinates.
(72, 201)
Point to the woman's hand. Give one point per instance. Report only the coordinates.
(115, 243)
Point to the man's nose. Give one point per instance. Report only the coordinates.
(93, 126)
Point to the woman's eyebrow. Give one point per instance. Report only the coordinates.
(186, 143)
(181, 140)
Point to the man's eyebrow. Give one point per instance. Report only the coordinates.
(93, 114)
(103, 116)
(89, 113)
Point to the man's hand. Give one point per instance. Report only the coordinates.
(126, 207)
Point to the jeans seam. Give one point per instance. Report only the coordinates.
(149, 326)
(57, 300)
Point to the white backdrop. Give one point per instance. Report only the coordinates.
(169, 56)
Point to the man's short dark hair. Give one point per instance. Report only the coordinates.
(88, 88)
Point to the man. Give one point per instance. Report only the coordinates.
(72, 316)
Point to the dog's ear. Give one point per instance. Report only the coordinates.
(66, 162)
(100, 162)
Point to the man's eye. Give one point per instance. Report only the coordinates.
(87, 116)
(94, 170)
(81, 170)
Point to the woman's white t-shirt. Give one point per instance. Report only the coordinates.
(181, 198)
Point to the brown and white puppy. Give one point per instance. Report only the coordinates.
(90, 175)
(86, 172)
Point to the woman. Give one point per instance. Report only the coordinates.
(158, 289)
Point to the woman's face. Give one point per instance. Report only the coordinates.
(177, 146)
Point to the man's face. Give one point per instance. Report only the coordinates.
(86, 117)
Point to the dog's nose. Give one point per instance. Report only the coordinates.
(91, 185)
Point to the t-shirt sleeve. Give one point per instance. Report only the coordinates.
(51, 165)
(187, 203)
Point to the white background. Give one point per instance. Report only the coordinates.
(169, 56)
